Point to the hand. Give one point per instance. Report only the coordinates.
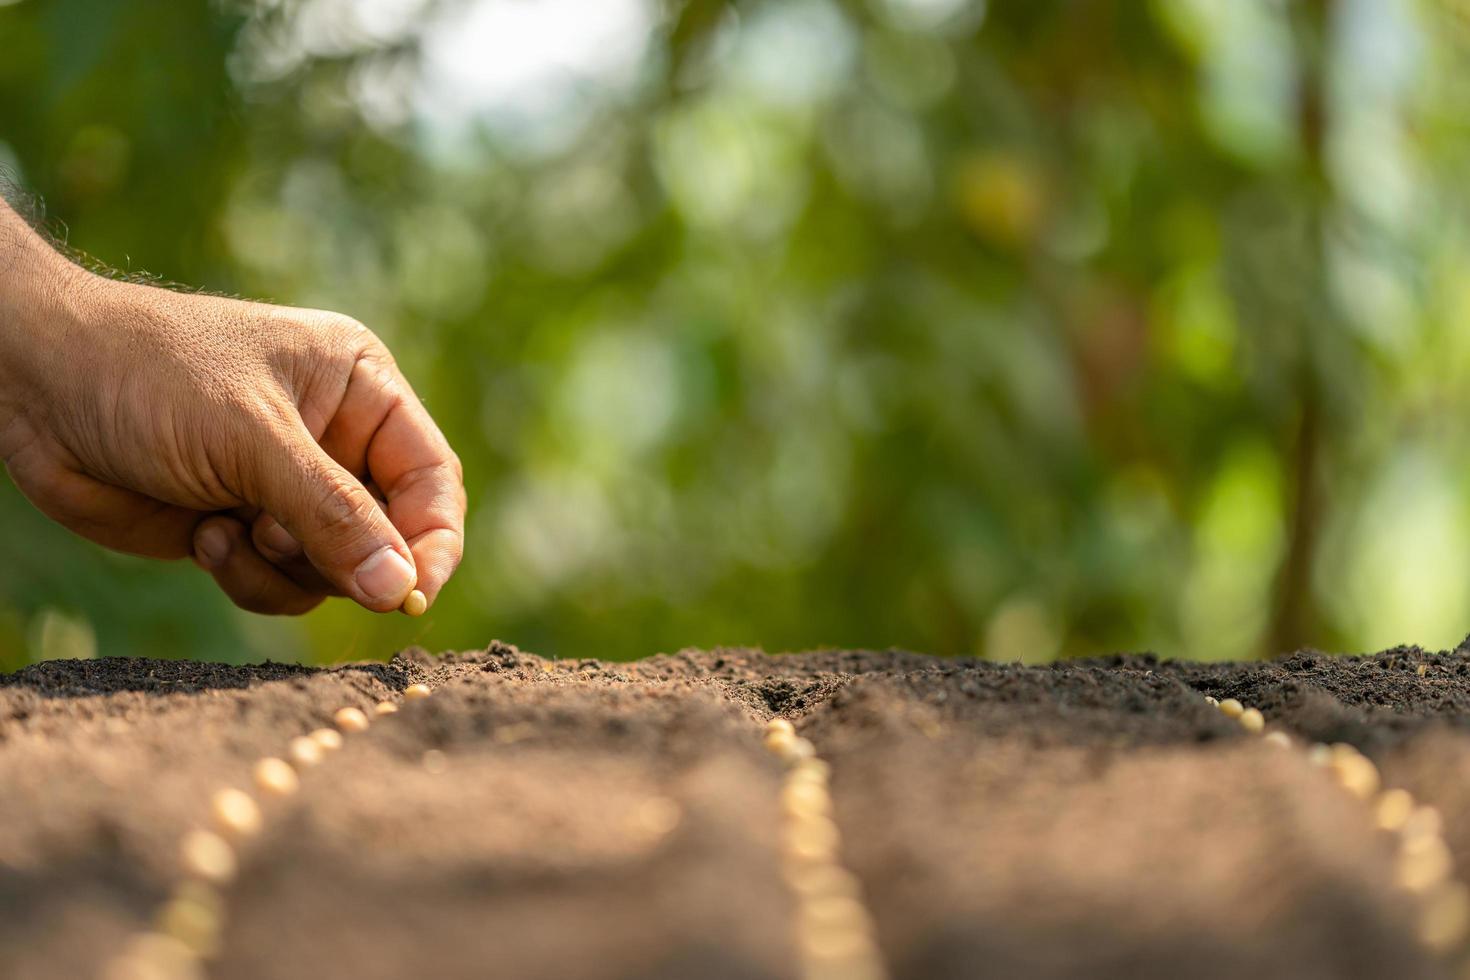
(252, 437)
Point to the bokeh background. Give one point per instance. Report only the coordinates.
(1019, 329)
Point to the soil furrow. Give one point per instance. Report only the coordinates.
(1136, 833)
(558, 828)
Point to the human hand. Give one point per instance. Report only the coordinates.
(251, 437)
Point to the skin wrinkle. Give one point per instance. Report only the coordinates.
(216, 410)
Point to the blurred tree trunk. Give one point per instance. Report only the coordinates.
(1294, 615)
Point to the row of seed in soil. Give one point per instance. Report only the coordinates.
(187, 927)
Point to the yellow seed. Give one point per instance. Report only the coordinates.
(836, 943)
(812, 769)
(236, 811)
(1356, 774)
(154, 956)
(1392, 809)
(1445, 918)
(1423, 669)
(416, 603)
(415, 691)
(208, 856)
(803, 798)
(776, 739)
(812, 839)
(1231, 708)
(305, 751)
(862, 965)
(657, 816)
(813, 880)
(327, 739)
(350, 720)
(200, 893)
(192, 923)
(780, 725)
(276, 777)
(1423, 862)
(1425, 821)
(833, 914)
(834, 911)
(435, 761)
(1213, 702)
(384, 708)
(1252, 721)
(793, 751)
(1279, 739)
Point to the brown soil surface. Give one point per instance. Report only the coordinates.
(583, 819)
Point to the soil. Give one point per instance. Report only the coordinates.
(540, 818)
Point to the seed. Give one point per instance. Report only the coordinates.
(1252, 721)
(200, 893)
(812, 769)
(862, 965)
(236, 811)
(1445, 918)
(511, 734)
(1320, 755)
(416, 603)
(328, 739)
(305, 751)
(836, 943)
(435, 761)
(208, 855)
(816, 880)
(1355, 774)
(415, 691)
(805, 798)
(276, 777)
(780, 725)
(812, 839)
(776, 739)
(1392, 809)
(194, 924)
(792, 750)
(1213, 702)
(1423, 669)
(1231, 708)
(1425, 821)
(657, 816)
(384, 708)
(1278, 739)
(154, 956)
(350, 720)
(1423, 862)
(834, 911)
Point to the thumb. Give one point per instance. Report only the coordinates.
(341, 528)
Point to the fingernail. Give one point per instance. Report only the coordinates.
(212, 546)
(276, 538)
(385, 575)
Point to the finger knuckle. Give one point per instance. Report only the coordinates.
(344, 513)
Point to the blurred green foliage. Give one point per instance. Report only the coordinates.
(1020, 329)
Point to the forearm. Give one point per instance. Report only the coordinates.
(42, 295)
